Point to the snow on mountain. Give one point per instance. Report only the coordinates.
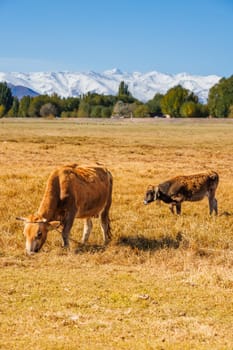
(143, 86)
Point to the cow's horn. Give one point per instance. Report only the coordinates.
(20, 218)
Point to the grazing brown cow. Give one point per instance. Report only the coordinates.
(72, 192)
(186, 188)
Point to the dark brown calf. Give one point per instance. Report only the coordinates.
(186, 188)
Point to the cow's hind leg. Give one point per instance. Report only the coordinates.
(105, 226)
(86, 230)
(105, 220)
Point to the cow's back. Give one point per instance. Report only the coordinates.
(89, 187)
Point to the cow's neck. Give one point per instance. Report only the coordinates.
(49, 203)
(165, 198)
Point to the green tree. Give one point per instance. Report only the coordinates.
(96, 111)
(69, 114)
(221, 98)
(141, 111)
(204, 110)
(154, 104)
(230, 114)
(36, 103)
(123, 89)
(53, 102)
(2, 111)
(172, 101)
(84, 109)
(124, 94)
(24, 105)
(95, 105)
(70, 104)
(189, 109)
(106, 112)
(6, 98)
(13, 112)
(95, 99)
(56, 101)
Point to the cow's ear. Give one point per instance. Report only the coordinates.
(53, 225)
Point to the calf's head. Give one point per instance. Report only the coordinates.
(151, 194)
(35, 230)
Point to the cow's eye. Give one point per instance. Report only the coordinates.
(39, 235)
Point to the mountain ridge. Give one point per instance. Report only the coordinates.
(21, 91)
(143, 86)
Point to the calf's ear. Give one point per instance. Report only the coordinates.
(52, 225)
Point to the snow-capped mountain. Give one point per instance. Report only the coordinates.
(143, 86)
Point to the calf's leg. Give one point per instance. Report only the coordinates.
(171, 207)
(213, 205)
(178, 208)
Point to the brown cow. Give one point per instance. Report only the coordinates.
(186, 188)
(72, 192)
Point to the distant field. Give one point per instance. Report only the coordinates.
(165, 282)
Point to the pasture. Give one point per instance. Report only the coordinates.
(164, 282)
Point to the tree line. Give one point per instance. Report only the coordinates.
(176, 102)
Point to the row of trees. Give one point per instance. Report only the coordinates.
(177, 102)
(220, 99)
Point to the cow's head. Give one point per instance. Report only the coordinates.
(151, 194)
(35, 230)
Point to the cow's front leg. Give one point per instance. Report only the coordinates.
(67, 227)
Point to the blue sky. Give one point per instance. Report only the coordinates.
(170, 36)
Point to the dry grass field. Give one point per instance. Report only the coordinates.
(164, 282)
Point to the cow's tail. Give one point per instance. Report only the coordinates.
(108, 205)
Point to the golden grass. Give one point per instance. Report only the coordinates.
(165, 282)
